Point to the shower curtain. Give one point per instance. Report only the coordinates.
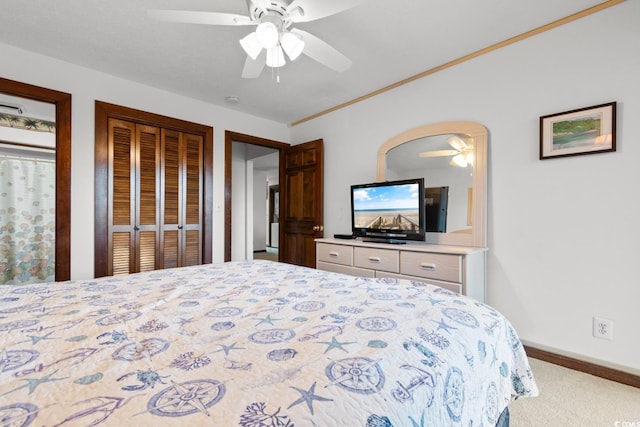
(27, 220)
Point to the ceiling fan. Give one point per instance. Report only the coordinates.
(274, 35)
(461, 151)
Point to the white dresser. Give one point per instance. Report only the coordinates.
(457, 268)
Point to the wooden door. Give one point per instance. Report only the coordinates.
(133, 185)
(156, 186)
(153, 179)
(191, 239)
(121, 240)
(301, 181)
(181, 201)
(172, 189)
(147, 198)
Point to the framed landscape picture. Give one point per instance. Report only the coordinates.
(583, 131)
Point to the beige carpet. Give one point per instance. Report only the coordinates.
(270, 254)
(570, 398)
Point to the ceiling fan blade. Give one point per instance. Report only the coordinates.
(438, 153)
(457, 143)
(310, 10)
(253, 67)
(322, 52)
(206, 18)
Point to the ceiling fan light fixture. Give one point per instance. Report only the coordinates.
(275, 57)
(251, 45)
(292, 45)
(268, 35)
(459, 160)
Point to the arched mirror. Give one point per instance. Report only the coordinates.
(452, 158)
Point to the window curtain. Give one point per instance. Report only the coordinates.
(27, 220)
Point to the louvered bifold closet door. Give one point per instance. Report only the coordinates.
(181, 203)
(148, 198)
(133, 237)
(193, 196)
(171, 203)
(121, 221)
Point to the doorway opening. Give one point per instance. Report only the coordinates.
(27, 190)
(61, 102)
(300, 199)
(252, 203)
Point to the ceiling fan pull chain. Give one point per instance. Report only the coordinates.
(277, 74)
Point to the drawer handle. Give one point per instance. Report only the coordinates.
(425, 266)
(375, 259)
(334, 254)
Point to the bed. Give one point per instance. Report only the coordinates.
(254, 343)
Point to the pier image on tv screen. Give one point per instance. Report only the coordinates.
(392, 207)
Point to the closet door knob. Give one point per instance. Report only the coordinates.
(136, 228)
(180, 227)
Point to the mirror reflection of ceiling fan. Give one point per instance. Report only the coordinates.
(274, 35)
(461, 151)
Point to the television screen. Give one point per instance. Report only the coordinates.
(387, 211)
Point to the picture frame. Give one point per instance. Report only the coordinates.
(587, 130)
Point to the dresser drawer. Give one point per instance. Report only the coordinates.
(376, 259)
(337, 254)
(432, 266)
(453, 287)
(345, 269)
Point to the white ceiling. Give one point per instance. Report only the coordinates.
(387, 40)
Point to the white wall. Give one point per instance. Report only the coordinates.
(260, 210)
(563, 233)
(86, 86)
(240, 170)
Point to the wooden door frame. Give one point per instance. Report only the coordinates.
(103, 112)
(62, 102)
(229, 138)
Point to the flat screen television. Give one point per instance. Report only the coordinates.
(392, 211)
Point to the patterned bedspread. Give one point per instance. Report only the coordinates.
(253, 344)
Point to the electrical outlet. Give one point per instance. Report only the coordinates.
(603, 328)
